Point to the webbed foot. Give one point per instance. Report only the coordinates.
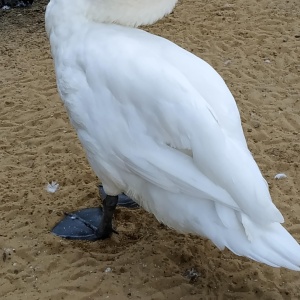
(92, 223)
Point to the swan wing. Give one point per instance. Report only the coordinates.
(174, 124)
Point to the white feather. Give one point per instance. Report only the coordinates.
(52, 187)
(280, 176)
(160, 124)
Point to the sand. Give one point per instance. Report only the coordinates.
(255, 46)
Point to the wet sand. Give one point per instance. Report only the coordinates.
(255, 46)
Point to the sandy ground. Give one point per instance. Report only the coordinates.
(255, 46)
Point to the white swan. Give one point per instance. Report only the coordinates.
(160, 124)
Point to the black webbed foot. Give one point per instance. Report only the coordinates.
(92, 223)
(80, 225)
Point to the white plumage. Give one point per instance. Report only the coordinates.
(160, 124)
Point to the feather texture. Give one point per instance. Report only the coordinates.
(160, 124)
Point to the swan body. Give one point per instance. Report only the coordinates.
(160, 125)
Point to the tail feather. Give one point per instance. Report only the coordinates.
(225, 227)
(273, 246)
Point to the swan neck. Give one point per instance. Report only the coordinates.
(130, 13)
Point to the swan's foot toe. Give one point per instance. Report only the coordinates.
(82, 225)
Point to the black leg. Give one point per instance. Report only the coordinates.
(105, 227)
(123, 200)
